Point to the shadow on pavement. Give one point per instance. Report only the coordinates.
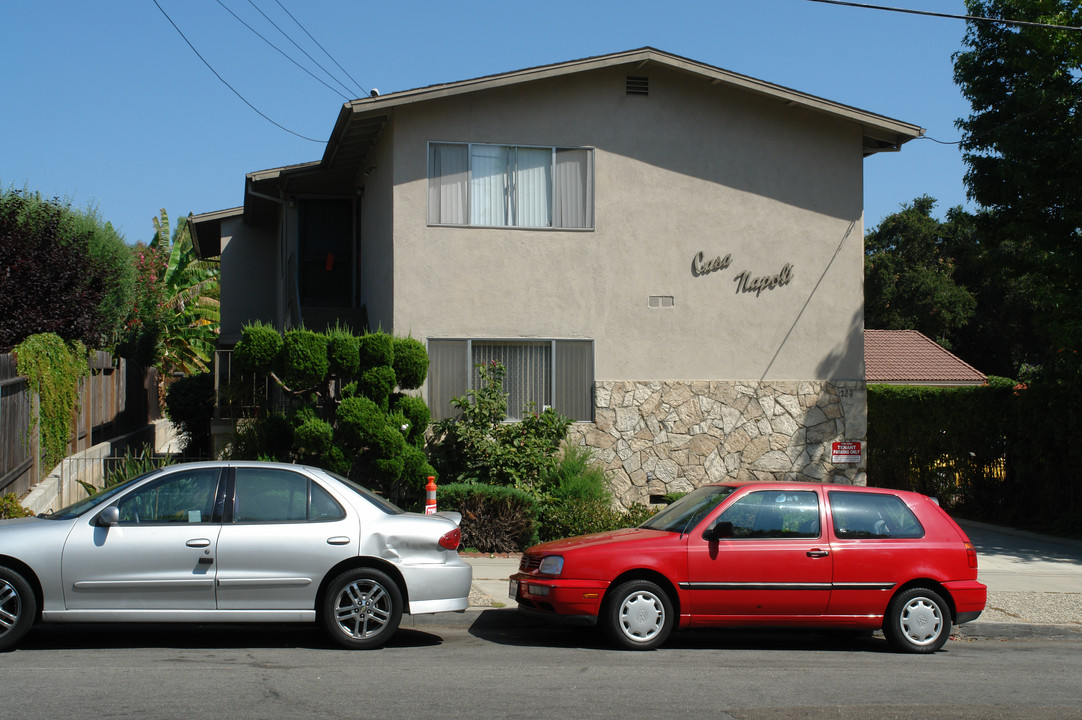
(511, 628)
(79, 636)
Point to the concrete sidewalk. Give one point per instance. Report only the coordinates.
(1034, 583)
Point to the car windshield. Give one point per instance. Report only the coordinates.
(78, 508)
(382, 503)
(686, 512)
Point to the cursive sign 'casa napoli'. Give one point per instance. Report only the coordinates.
(746, 283)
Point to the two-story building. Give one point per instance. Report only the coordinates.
(667, 252)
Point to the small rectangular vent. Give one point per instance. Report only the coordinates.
(638, 85)
(661, 301)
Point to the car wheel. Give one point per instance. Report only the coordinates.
(18, 608)
(638, 615)
(917, 621)
(362, 608)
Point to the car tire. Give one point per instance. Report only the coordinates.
(362, 608)
(18, 608)
(638, 615)
(918, 620)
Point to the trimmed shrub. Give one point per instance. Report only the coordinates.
(258, 349)
(415, 468)
(313, 437)
(358, 420)
(377, 384)
(376, 349)
(343, 348)
(303, 359)
(494, 519)
(410, 363)
(417, 415)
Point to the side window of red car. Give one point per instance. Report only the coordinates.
(774, 514)
(872, 515)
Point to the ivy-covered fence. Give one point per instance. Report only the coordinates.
(112, 400)
(997, 453)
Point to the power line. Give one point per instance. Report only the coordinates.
(287, 37)
(243, 99)
(283, 52)
(974, 18)
(359, 86)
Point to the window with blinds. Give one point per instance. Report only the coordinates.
(539, 374)
(510, 186)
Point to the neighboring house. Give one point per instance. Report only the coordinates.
(907, 357)
(669, 253)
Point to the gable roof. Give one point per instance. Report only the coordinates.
(361, 121)
(880, 133)
(907, 357)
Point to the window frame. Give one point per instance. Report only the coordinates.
(217, 498)
(588, 188)
(862, 531)
(308, 496)
(775, 508)
(561, 376)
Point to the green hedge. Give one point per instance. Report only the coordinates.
(494, 518)
(995, 453)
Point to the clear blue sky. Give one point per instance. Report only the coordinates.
(102, 103)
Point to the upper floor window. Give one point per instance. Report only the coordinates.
(510, 186)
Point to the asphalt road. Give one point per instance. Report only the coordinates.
(497, 668)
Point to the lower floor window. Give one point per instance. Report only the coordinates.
(540, 373)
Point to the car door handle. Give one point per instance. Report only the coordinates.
(338, 540)
(198, 542)
(817, 553)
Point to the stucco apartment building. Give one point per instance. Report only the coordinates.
(667, 252)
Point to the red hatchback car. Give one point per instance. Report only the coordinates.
(765, 555)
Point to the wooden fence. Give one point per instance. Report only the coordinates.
(119, 396)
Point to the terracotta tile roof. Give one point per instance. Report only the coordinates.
(906, 357)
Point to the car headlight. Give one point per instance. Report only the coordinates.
(551, 565)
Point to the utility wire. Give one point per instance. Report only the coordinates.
(243, 99)
(287, 37)
(283, 52)
(1006, 122)
(974, 18)
(359, 86)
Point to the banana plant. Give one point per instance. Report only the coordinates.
(191, 306)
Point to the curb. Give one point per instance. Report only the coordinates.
(509, 617)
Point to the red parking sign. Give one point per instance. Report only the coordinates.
(845, 452)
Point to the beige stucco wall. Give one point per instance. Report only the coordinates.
(250, 284)
(692, 168)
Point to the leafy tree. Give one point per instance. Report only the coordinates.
(1022, 145)
(62, 271)
(909, 272)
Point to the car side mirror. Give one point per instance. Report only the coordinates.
(109, 516)
(719, 530)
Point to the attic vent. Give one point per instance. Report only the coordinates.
(638, 85)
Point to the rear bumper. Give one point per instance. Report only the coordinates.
(443, 587)
(970, 598)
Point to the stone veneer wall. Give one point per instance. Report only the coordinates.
(674, 436)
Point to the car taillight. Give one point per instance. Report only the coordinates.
(450, 540)
(971, 554)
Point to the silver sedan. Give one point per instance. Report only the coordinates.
(232, 542)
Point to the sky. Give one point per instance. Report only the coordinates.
(104, 104)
